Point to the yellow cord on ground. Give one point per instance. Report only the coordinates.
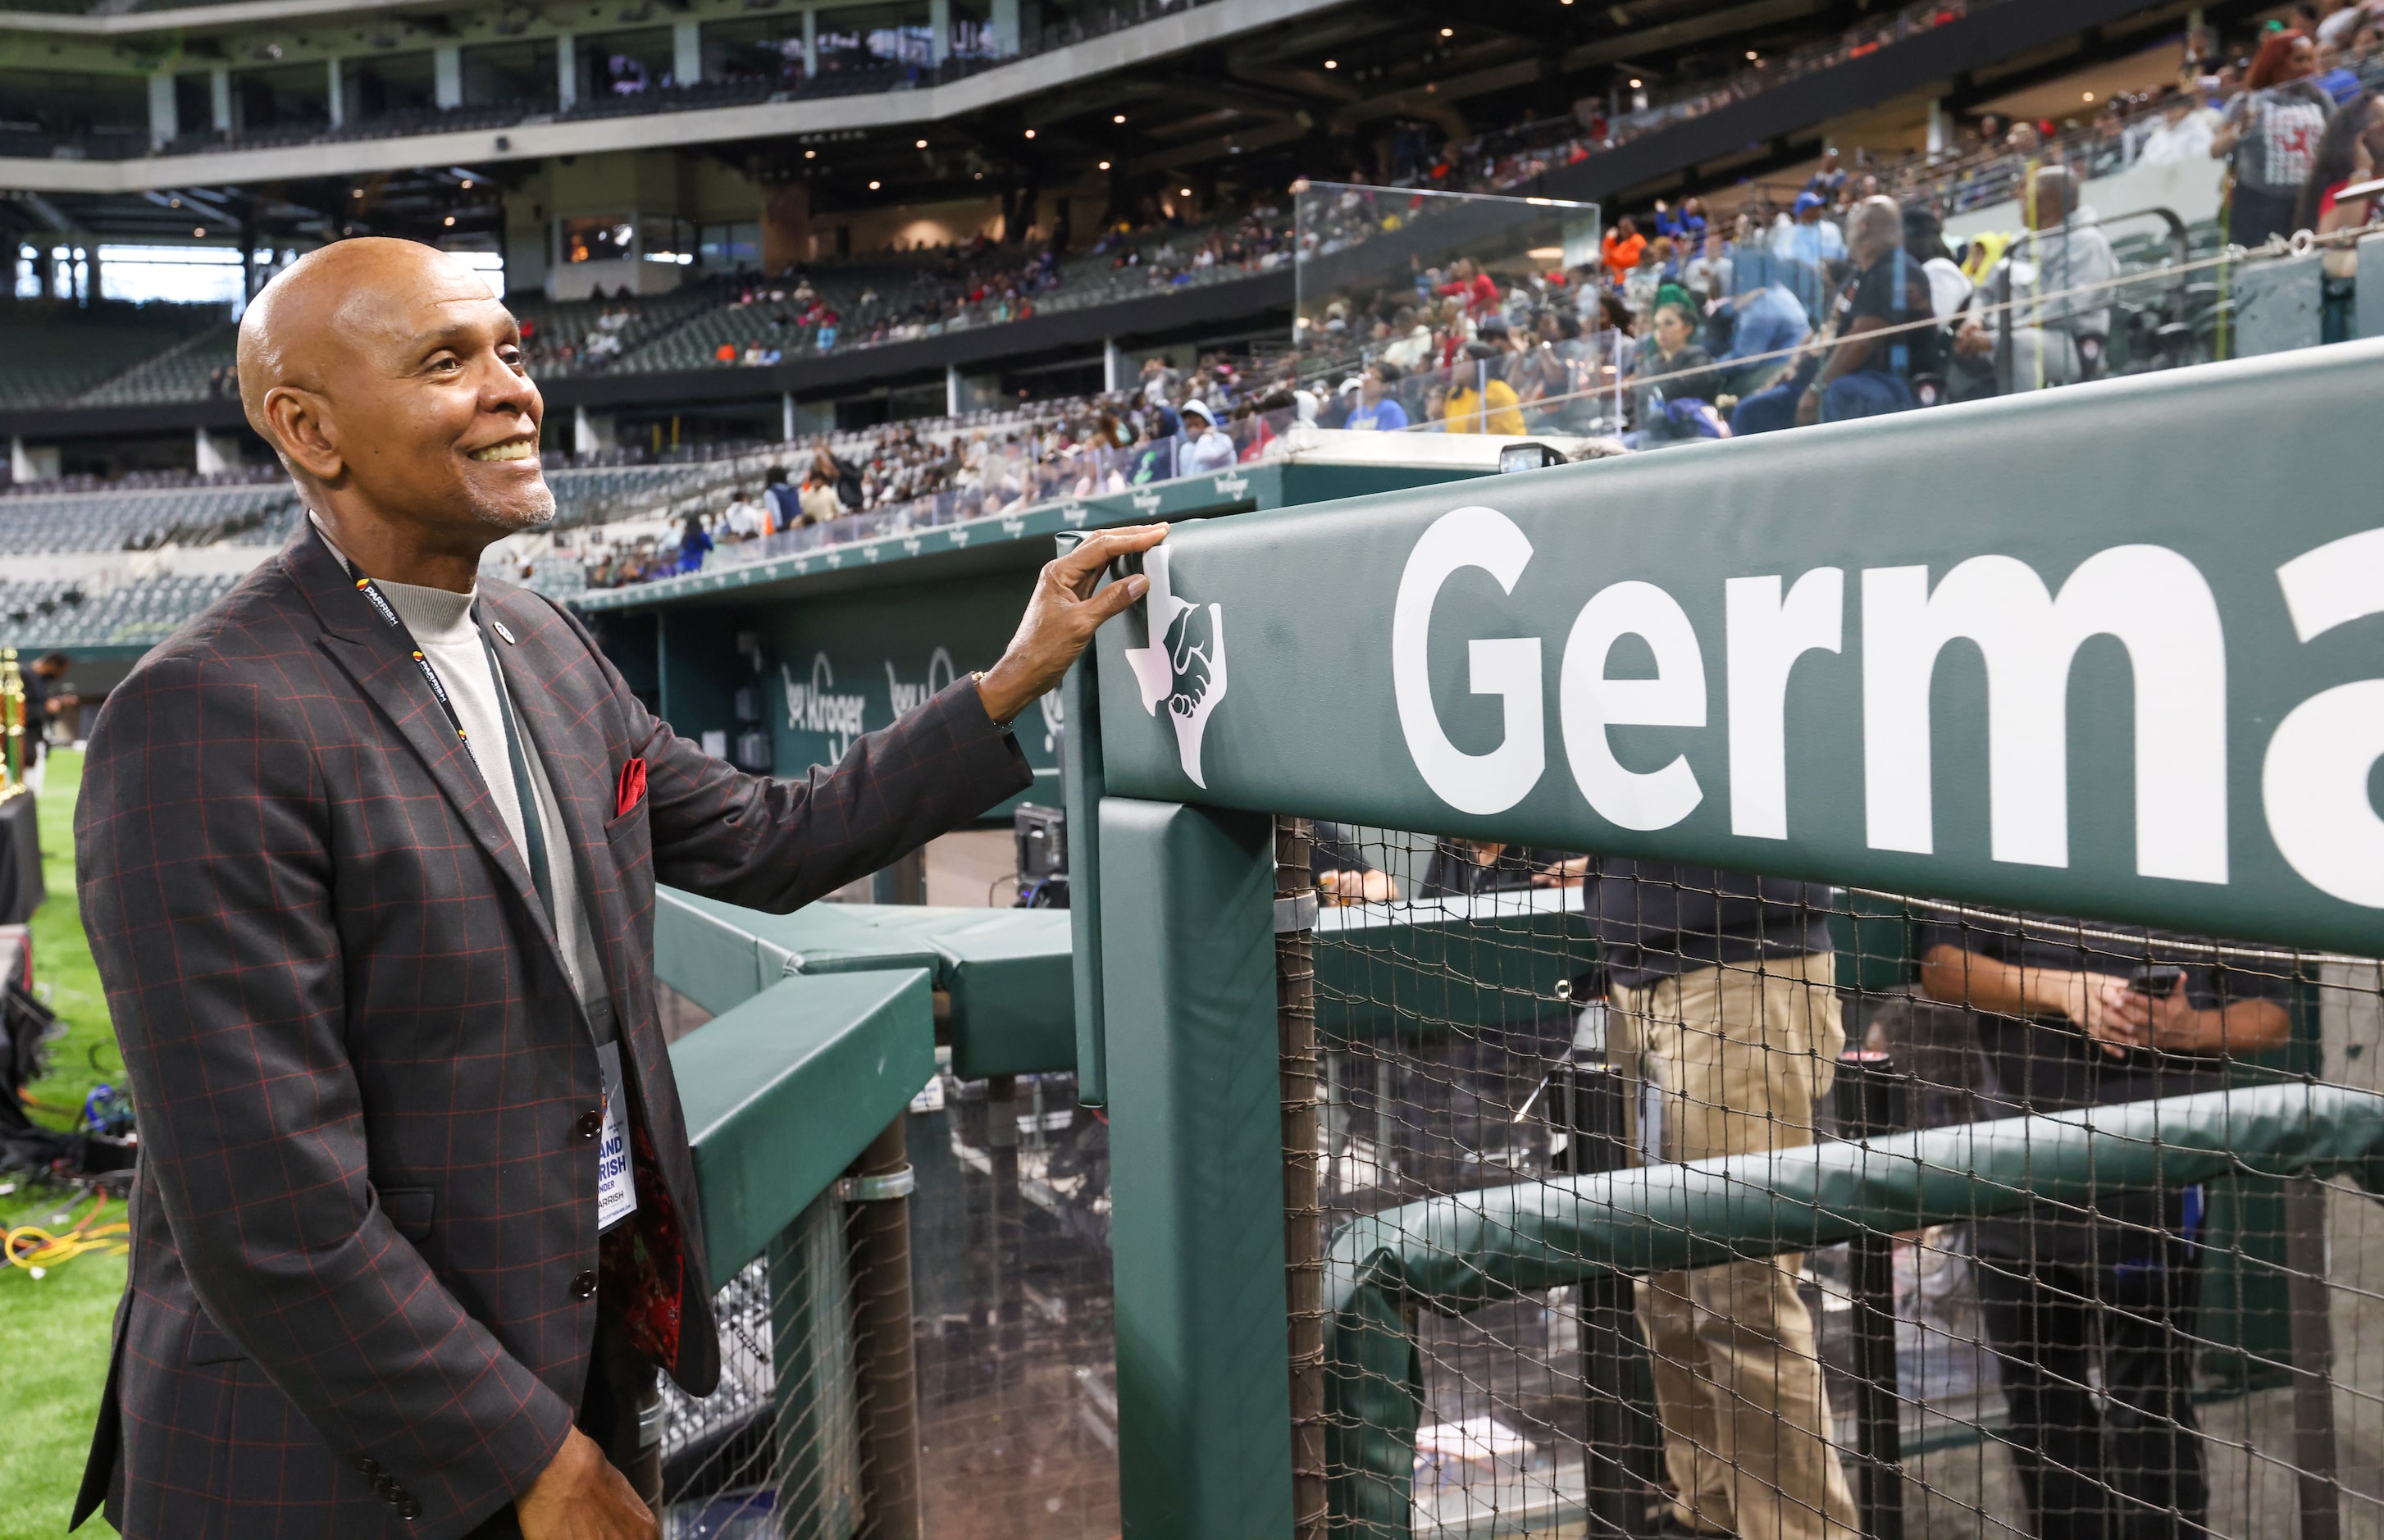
(36, 1249)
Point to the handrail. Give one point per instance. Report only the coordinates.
(1454, 1253)
(784, 1092)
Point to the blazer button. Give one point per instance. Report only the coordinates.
(584, 1286)
(409, 1510)
(367, 1467)
(590, 1125)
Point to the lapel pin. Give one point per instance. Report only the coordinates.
(500, 626)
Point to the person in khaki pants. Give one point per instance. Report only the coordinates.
(1726, 1024)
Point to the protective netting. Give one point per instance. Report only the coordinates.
(774, 1450)
(1010, 1290)
(1664, 1200)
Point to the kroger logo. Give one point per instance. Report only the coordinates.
(812, 707)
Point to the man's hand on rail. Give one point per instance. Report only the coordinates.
(1062, 618)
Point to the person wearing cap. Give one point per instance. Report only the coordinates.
(1334, 409)
(1378, 411)
(1810, 239)
(1205, 448)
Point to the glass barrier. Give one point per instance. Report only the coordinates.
(1778, 336)
(1388, 271)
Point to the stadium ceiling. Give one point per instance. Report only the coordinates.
(1247, 93)
(428, 205)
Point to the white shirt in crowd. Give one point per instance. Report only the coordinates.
(2186, 141)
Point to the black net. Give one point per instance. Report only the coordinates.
(1010, 1275)
(1663, 1200)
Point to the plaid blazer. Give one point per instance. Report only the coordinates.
(364, 1223)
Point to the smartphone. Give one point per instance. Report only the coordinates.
(2156, 978)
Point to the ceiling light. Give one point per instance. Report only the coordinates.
(873, 187)
(1117, 118)
(1105, 165)
(1448, 31)
(1634, 85)
(980, 176)
(1750, 54)
(811, 154)
(468, 185)
(451, 220)
(1030, 133)
(2090, 95)
(357, 192)
(1182, 192)
(347, 230)
(173, 203)
(919, 145)
(1332, 64)
(199, 229)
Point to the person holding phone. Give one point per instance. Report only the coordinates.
(2076, 1014)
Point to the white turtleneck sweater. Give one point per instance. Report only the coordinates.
(441, 623)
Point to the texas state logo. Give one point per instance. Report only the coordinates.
(1185, 665)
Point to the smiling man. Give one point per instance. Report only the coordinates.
(369, 853)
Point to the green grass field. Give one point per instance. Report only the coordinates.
(54, 1329)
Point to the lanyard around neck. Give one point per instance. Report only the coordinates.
(533, 822)
(388, 615)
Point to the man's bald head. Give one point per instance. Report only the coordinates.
(1874, 229)
(389, 381)
(317, 309)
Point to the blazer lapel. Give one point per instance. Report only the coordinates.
(550, 680)
(372, 654)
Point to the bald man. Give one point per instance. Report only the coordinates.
(368, 857)
(1866, 376)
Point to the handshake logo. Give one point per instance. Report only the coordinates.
(1185, 664)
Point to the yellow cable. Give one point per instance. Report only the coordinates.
(46, 1250)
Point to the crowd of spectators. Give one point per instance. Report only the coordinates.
(1841, 303)
(1688, 323)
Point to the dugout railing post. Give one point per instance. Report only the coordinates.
(1195, 1116)
(1586, 1102)
(1869, 1104)
(2313, 1359)
(1303, 1190)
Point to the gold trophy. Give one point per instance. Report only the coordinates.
(13, 748)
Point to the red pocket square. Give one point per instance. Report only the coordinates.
(633, 786)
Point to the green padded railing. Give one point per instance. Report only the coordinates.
(1005, 971)
(1492, 959)
(1434, 964)
(784, 1091)
(1452, 1254)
